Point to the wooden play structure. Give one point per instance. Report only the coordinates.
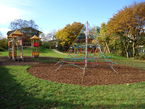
(35, 46)
(15, 46)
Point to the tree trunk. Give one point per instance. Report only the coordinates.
(107, 47)
(133, 49)
(127, 54)
(126, 50)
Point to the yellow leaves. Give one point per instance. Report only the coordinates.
(94, 41)
(128, 19)
(69, 33)
(103, 30)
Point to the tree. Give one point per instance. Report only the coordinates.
(3, 44)
(119, 45)
(19, 23)
(31, 23)
(1, 35)
(130, 23)
(104, 38)
(94, 31)
(68, 34)
(51, 35)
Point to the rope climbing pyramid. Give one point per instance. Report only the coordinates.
(83, 54)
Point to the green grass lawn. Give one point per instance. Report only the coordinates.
(127, 62)
(43, 52)
(21, 90)
(132, 63)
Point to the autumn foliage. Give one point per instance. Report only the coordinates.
(126, 30)
(68, 34)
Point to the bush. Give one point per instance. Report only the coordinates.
(49, 45)
(3, 44)
(141, 56)
(45, 44)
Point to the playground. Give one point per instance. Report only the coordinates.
(68, 54)
(34, 83)
(81, 65)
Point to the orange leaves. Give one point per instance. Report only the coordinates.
(128, 20)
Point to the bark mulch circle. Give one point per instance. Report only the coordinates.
(99, 75)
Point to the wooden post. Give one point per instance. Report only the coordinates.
(13, 49)
(21, 55)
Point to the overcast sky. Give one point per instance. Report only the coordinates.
(55, 14)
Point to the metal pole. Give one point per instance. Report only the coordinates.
(86, 50)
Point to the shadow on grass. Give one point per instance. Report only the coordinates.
(13, 96)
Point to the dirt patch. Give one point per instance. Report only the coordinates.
(99, 75)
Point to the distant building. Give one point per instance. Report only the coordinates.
(28, 33)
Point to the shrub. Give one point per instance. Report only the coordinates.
(141, 56)
(49, 45)
(3, 44)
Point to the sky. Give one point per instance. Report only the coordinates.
(51, 15)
